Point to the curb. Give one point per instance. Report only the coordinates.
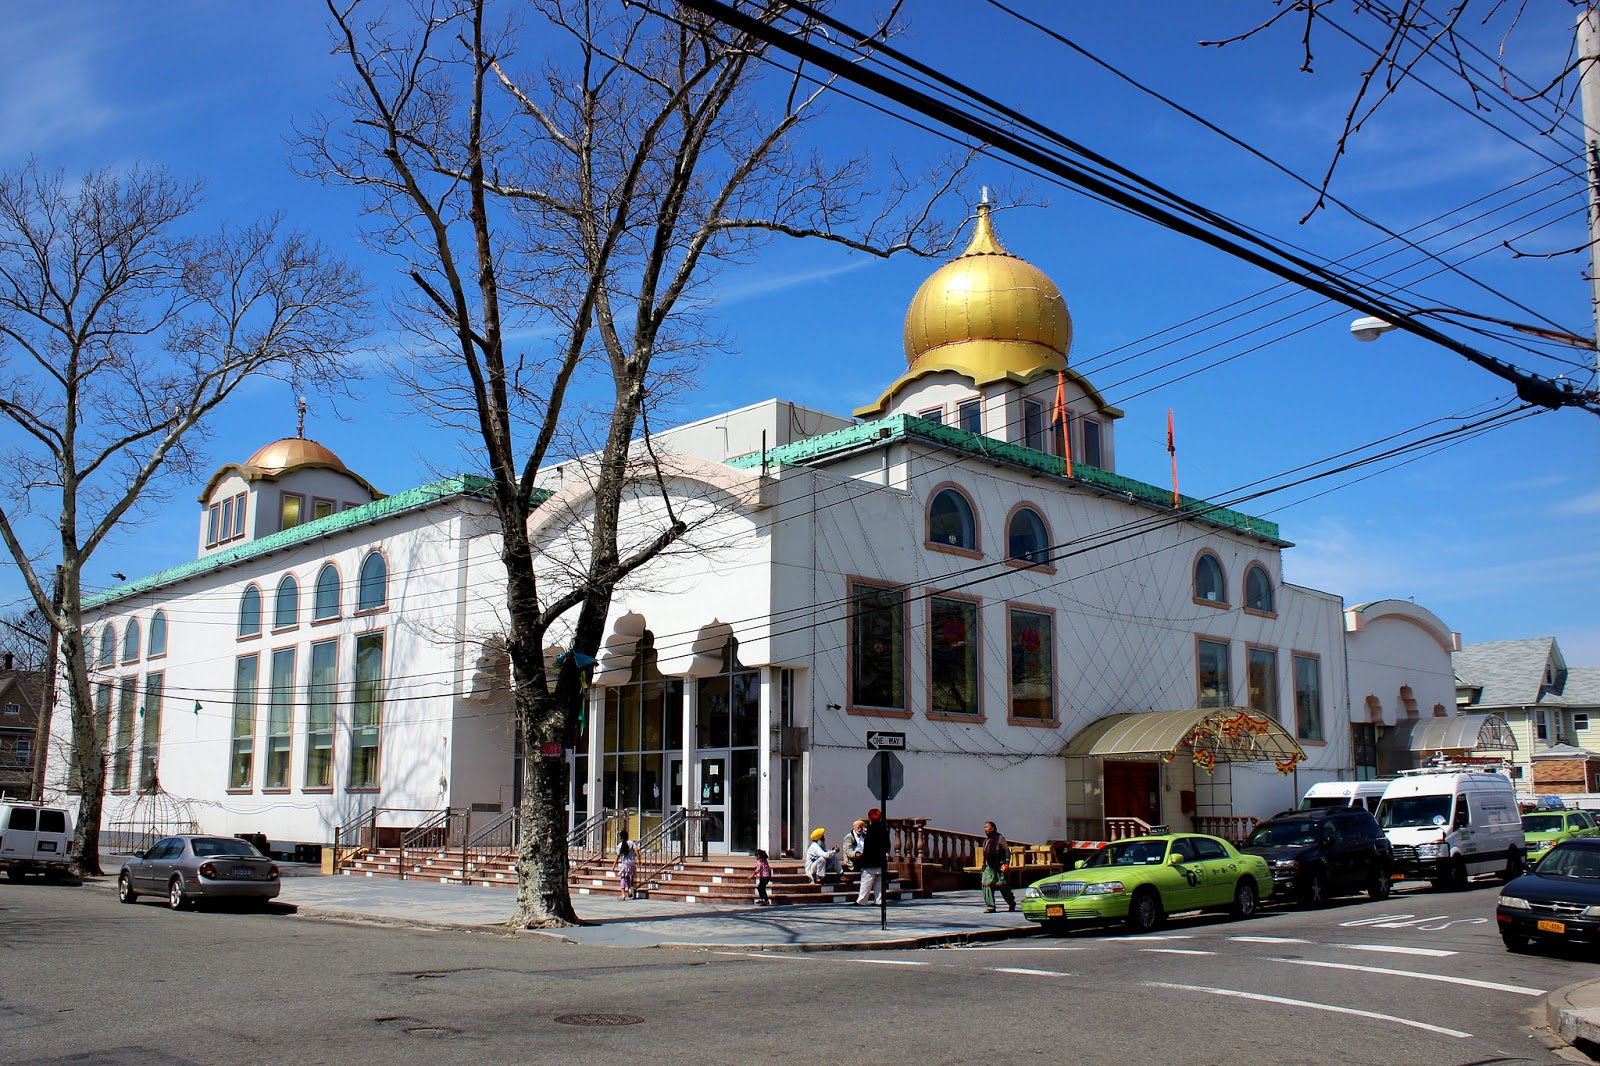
(1570, 1022)
(930, 940)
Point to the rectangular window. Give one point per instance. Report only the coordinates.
(366, 715)
(1061, 426)
(102, 723)
(953, 644)
(150, 739)
(970, 415)
(1580, 720)
(1364, 750)
(933, 414)
(1211, 660)
(290, 507)
(1033, 425)
(24, 751)
(1032, 665)
(877, 647)
(1308, 697)
(1541, 725)
(1091, 443)
(1261, 666)
(241, 759)
(320, 697)
(122, 754)
(13, 708)
(238, 515)
(280, 719)
(321, 508)
(225, 526)
(211, 524)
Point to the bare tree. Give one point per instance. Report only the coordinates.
(119, 333)
(586, 198)
(1410, 35)
(25, 636)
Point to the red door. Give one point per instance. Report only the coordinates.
(1132, 790)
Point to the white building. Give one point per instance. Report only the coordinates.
(960, 563)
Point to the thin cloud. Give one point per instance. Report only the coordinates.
(1587, 504)
(761, 286)
(46, 86)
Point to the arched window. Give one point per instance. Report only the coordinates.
(1258, 589)
(286, 611)
(950, 521)
(130, 641)
(158, 634)
(1027, 540)
(1209, 584)
(250, 612)
(373, 589)
(108, 646)
(325, 604)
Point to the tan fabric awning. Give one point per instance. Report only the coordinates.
(1456, 732)
(1211, 734)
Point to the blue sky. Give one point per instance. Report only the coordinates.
(1495, 535)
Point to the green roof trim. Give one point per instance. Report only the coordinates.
(902, 427)
(389, 506)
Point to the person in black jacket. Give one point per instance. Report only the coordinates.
(996, 864)
(874, 859)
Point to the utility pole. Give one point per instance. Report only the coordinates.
(1589, 91)
(41, 725)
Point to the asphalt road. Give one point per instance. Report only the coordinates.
(1418, 979)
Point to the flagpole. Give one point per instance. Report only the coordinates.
(1061, 419)
(1172, 450)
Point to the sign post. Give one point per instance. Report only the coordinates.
(885, 778)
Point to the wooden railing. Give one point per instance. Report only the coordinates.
(1121, 828)
(1233, 828)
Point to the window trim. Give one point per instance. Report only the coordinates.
(1227, 696)
(963, 407)
(333, 507)
(239, 528)
(132, 638)
(266, 732)
(300, 512)
(124, 723)
(383, 676)
(150, 652)
(338, 595)
(1056, 717)
(1222, 580)
(1277, 682)
(213, 513)
(1322, 703)
(1256, 566)
(1027, 439)
(851, 707)
(150, 753)
(22, 751)
(932, 414)
(107, 657)
(260, 601)
(360, 576)
(332, 729)
(233, 722)
(277, 595)
(1084, 422)
(974, 552)
(979, 714)
(1049, 538)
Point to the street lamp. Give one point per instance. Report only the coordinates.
(1370, 329)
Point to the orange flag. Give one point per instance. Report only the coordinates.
(1061, 419)
(1172, 450)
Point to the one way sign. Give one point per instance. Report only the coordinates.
(882, 740)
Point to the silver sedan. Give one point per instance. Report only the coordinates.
(187, 869)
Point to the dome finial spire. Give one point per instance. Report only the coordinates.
(300, 426)
(983, 241)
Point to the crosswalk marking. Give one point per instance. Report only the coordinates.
(1495, 986)
(1030, 973)
(893, 962)
(1398, 949)
(1233, 993)
(1178, 951)
(1268, 940)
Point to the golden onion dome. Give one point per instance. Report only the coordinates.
(291, 453)
(988, 315)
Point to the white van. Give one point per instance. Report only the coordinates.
(1446, 827)
(1363, 794)
(34, 839)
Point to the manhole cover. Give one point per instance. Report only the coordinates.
(599, 1019)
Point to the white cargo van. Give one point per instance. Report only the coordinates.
(1448, 826)
(34, 839)
(1363, 794)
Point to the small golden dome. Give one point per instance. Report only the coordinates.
(292, 452)
(988, 315)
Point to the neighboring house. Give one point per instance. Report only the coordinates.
(961, 563)
(21, 697)
(1547, 704)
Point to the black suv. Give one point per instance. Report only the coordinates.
(1317, 854)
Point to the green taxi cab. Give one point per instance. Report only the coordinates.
(1141, 880)
(1544, 829)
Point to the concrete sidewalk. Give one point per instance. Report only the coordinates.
(950, 918)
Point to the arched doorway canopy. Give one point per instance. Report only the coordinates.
(1207, 735)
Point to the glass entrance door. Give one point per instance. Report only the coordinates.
(714, 800)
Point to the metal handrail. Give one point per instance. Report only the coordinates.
(669, 843)
(351, 842)
(589, 839)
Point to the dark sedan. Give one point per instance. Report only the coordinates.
(187, 869)
(1558, 901)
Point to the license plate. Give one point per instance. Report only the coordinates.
(1397, 877)
(1547, 926)
(248, 872)
(47, 845)
(1055, 910)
